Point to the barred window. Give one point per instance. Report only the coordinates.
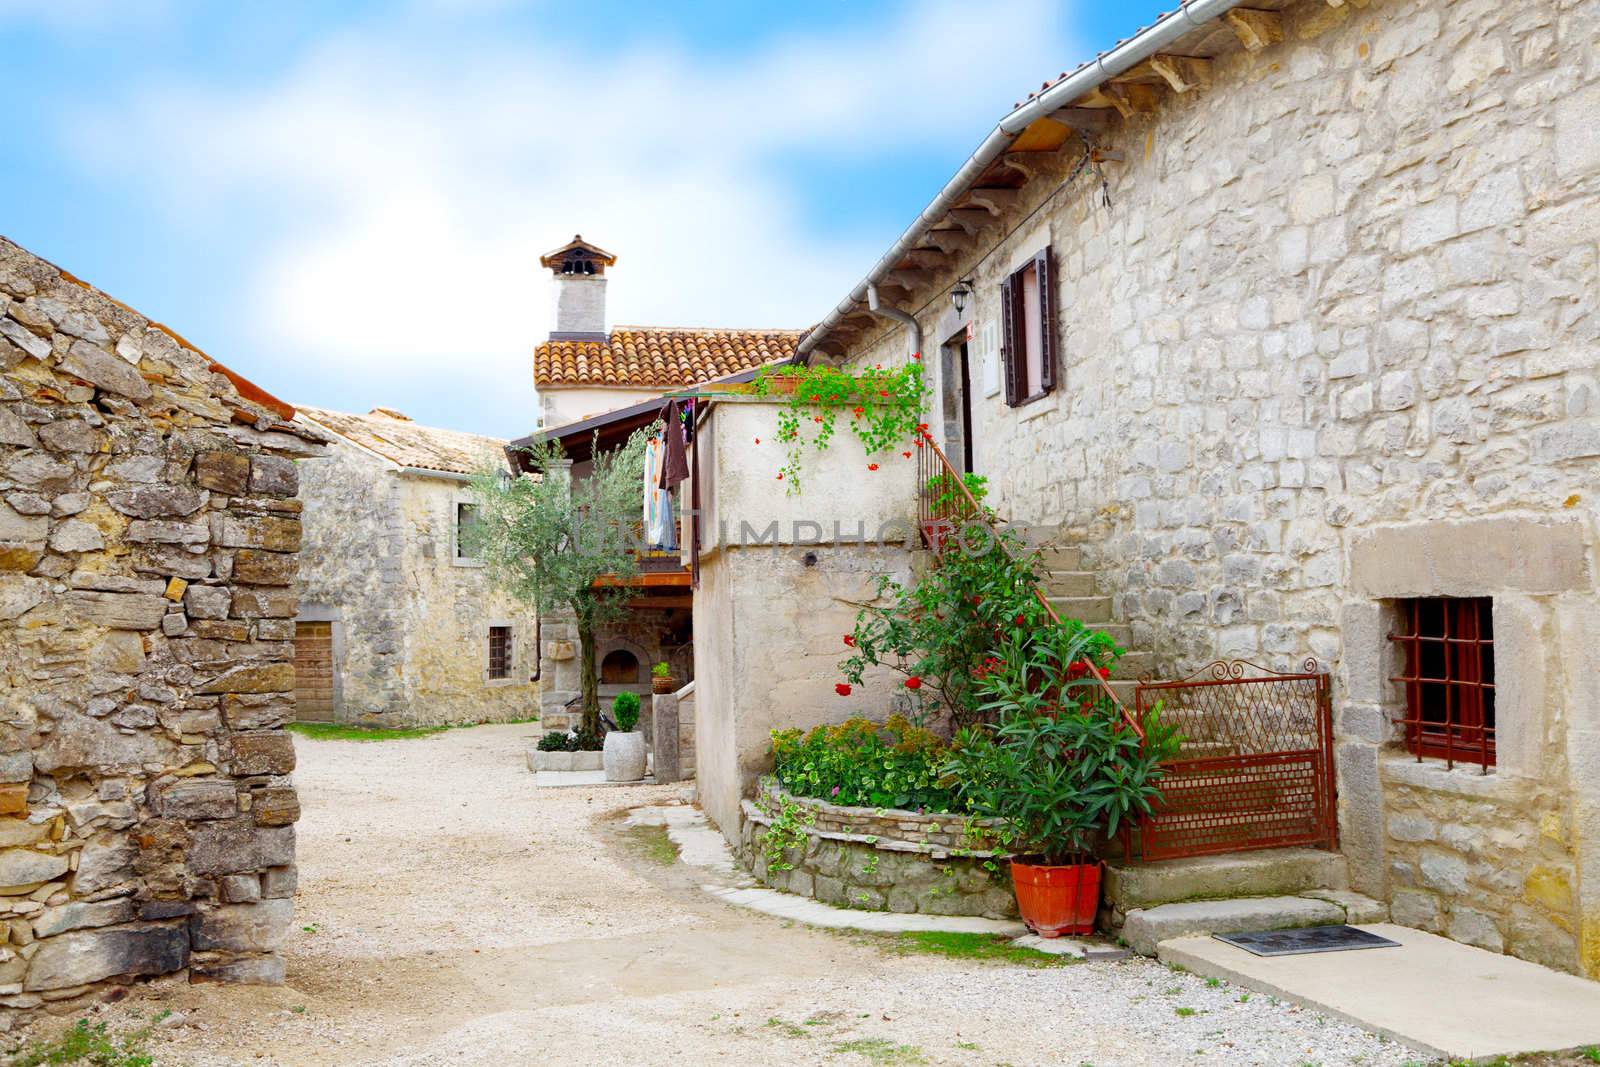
(499, 652)
(1448, 677)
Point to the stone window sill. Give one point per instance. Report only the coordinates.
(462, 561)
(1465, 781)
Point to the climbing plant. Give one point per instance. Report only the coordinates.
(883, 409)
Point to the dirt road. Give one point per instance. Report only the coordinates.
(451, 913)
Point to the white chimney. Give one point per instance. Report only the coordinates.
(579, 307)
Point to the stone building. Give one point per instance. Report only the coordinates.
(1288, 316)
(398, 623)
(148, 548)
(600, 386)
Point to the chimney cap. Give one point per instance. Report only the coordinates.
(577, 250)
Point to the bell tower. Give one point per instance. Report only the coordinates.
(579, 271)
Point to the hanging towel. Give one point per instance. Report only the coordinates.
(675, 464)
(658, 525)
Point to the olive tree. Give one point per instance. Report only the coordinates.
(557, 542)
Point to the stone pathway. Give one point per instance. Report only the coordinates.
(449, 912)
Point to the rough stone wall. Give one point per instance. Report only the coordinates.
(879, 860)
(1349, 285)
(148, 539)
(412, 622)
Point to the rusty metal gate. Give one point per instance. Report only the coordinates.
(1255, 766)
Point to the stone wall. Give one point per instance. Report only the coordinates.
(411, 622)
(148, 540)
(879, 859)
(1348, 287)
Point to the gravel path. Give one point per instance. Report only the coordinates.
(450, 913)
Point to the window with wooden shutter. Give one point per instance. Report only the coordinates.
(1028, 317)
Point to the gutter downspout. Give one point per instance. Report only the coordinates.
(913, 331)
(1130, 53)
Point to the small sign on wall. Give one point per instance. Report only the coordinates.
(988, 351)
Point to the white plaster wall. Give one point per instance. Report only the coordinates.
(563, 404)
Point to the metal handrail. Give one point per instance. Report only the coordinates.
(932, 463)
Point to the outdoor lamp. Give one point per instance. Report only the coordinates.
(961, 294)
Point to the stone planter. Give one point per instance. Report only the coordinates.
(563, 761)
(624, 756)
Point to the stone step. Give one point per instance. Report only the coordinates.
(1263, 873)
(1068, 583)
(1120, 632)
(1145, 928)
(1065, 558)
(1135, 665)
(1090, 609)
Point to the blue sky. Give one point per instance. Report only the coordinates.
(345, 201)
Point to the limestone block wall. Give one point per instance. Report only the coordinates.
(1348, 287)
(149, 534)
(877, 859)
(411, 623)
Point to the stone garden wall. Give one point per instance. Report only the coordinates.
(148, 540)
(878, 859)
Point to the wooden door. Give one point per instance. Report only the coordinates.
(313, 671)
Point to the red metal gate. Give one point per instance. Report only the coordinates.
(1255, 767)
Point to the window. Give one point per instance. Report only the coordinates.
(466, 520)
(620, 667)
(499, 653)
(1448, 675)
(1027, 323)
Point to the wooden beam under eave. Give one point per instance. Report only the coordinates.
(1182, 72)
(927, 258)
(1255, 28)
(996, 201)
(948, 241)
(1028, 164)
(1091, 119)
(908, 280)
(970, 219)
(1107, 97)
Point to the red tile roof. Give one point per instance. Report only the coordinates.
(660, 357)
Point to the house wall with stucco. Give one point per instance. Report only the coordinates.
(1340, 314)
(411, 620)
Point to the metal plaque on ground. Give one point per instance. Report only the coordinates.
(1305, 939)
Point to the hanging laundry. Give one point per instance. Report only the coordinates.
(659, 530)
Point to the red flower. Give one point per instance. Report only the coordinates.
(1077, 669)
(842, 688)
(872, 466)
(913, 682)
(815, 397)
(850, 640)
(758, 440)
(916, 355)
(922, 426)
(858, 411)
(1019, 620)
(906, 454)
(877, 366)
(780, 476)
(1104, 672)
(919, 442)
(883, 392)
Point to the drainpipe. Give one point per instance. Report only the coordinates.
(913, 331)
(1091, 75)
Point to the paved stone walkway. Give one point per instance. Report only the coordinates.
(451, 913)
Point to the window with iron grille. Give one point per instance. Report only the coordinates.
(1028, 330)
(1448, 677)
(499, 652)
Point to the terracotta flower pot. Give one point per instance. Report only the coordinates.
(1057, 900)
(663, 686)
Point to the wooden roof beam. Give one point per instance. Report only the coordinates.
(948, 241)
(1182, 72)
(996, 201)
(970, 219)
(1089, 119)
(1255, 29)
(908, 280)
(927, 258)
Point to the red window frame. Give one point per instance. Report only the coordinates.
(1448, 676)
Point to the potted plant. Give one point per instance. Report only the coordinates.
(1062, 770)
(624, 754)
(661, 680)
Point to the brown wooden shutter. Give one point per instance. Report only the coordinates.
(1047, 319)
(1010, 338)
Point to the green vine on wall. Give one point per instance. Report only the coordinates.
(786, 831)
(884, 408)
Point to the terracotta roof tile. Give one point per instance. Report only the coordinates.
(660, 357)
(395, 437)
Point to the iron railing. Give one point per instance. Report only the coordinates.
(947, 510)
(1254, 768)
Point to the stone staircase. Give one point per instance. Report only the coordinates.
(1071, 592)
(1273, 889)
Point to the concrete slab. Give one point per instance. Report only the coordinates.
(1438, 996)
(1268, 873)
(1146, 928)
(1053, 946)
(698, 844)
(815, 913)
(562, 779)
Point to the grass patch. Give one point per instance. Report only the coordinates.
(338, 731)
(882, 1051)
(651, 843)
(787, 1028)
(986, 948)
(93, 1045)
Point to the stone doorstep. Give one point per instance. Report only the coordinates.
(1144, 929)
(1266, 873)
(1438, 996)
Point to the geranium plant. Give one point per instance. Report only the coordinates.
(883, 408)
(943, 630)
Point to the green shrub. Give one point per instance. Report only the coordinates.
(625, 710)
(579, 741)
(661, 670)
(861, 764)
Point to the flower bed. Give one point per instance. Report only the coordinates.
(936, 863)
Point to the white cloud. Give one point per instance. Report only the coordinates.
(415, 170)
